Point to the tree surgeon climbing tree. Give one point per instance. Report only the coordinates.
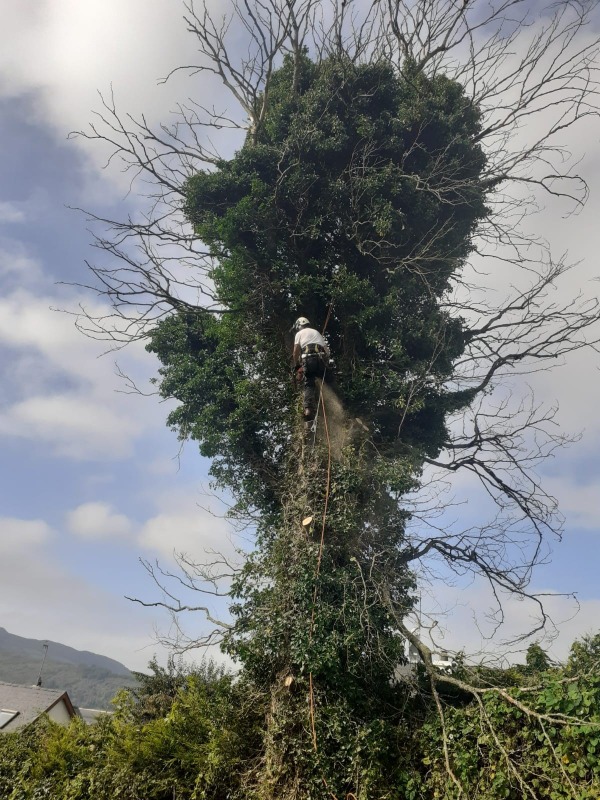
(381, 153)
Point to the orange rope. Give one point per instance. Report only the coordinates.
(330, 309)
(318, 570)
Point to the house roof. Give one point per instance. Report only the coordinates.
(30, 701)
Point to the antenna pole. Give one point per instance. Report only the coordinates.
(39, 680)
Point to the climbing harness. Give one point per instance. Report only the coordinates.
(313, 349)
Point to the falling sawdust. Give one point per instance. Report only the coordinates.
(342, 429)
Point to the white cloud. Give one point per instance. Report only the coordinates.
(74, 426)
(196, 533)
(202, 538)
(191, 519)
(22, 535)
(11, 212)
(27, 320)
(63, 394)
(97, 521)
(74, 48)
(465, 617)
(15, 260)
(65, 52)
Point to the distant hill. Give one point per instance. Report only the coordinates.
(90, 679)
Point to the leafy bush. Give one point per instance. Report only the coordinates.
(538, 725)
(200, 750)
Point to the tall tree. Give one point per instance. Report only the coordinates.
(378, 155)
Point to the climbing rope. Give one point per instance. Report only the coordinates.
(321, 406)
(329, 310)
(317, 573)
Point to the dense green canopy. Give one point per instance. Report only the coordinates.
(354, 204)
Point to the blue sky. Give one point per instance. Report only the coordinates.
(90, 478)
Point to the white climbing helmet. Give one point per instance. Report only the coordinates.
(301, 322)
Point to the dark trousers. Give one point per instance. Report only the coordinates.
(314, 365)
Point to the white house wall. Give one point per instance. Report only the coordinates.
(59, 713)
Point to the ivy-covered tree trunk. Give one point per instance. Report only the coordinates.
(319, 637)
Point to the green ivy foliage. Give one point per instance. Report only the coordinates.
(355, 202)
(546, 737)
